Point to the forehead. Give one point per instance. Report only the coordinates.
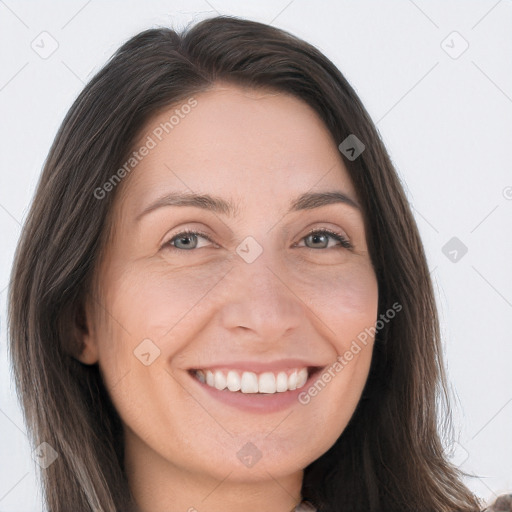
(248, 145)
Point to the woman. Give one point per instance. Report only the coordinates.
(220, 300)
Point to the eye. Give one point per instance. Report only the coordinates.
(320, 237)
(185, 241)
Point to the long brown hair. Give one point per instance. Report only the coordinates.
(390, 457)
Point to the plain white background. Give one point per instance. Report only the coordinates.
(444, 112)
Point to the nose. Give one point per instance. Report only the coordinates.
(260, 299)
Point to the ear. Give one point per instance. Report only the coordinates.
(86, 338)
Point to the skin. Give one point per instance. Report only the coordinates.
(260, 149)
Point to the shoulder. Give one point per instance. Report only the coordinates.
(503, 503)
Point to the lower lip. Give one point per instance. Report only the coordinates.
(256, 402)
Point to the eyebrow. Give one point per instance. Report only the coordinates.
(306, 201)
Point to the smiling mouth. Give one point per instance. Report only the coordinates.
(239, 381)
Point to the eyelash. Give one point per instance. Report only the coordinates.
(344, 243)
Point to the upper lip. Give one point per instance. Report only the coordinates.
(259, 367)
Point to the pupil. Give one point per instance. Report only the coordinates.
(317, 237)
(186, 240)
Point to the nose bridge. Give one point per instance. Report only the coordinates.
(260, 297)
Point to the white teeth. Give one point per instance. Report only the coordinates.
(220, 380)
(250, 382)
(292, 380)
(282, 382)
(302, 377)
(267, 383)
(233, 381)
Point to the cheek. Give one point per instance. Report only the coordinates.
(155, 302)
(345, 299)
(152, 301)
(143, 311)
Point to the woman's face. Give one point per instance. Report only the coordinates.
(257, 301)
